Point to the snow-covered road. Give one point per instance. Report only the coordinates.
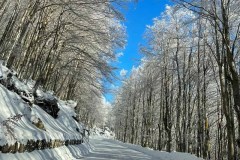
(99, 149)
(114, 150)
(109, 149)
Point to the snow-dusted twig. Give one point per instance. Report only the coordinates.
(8, 125)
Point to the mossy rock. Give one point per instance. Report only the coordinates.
(15, 147)
(60, 143)
(38, 144)
(5, 148)
(79, 141)
(11, 148)
(21, 148)
(51, 145)
(44, 144)
(75, 141)
(66, 142)
(39, 124)
(31, 145)
(8, 148)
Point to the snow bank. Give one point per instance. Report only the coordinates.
(64, 127)
(32, 122)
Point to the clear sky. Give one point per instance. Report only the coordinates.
(138, 16)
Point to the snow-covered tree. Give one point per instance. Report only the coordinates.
(184, 94)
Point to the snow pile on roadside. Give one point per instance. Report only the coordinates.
(64, 127)
(104, 133)
(21, 120)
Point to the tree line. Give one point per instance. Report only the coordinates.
(65, 46)
(184, 95)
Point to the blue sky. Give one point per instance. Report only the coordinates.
(138, 16)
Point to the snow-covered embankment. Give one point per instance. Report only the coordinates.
(27, 122)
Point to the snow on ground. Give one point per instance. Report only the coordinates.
(21, 129)
(115, 150)
(64, 127)
(99, 148)
(17, 116)
(103, 133)
(105, 147)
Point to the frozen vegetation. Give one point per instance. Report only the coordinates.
(57, 58)
(22, 120)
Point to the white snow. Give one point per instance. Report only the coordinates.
(99, 149)
(23, 129)
(64, 127)
(105, 147)
(123, 72)
(115, 150)
(101, 133)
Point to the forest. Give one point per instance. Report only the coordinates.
(63, 45)
(184, 96)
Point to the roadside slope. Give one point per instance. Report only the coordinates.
(29, 123)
